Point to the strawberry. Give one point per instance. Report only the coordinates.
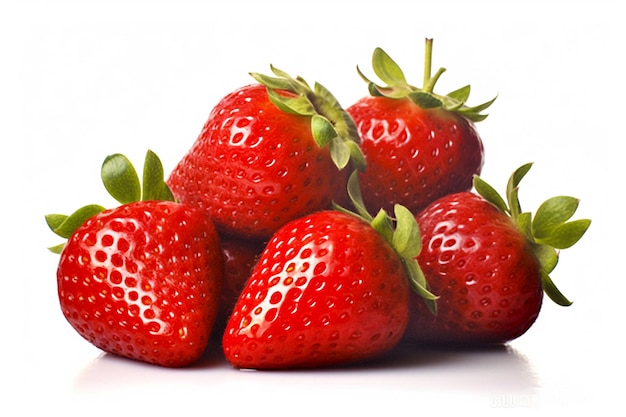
(330, 288)
(418, 145)
(269, 152)
(489, 263)
(140, 280)
(240, 257)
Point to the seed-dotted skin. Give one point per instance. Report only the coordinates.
(142, 281)
(487, 279)
(253, 167)
(327, 290)
(414, 156)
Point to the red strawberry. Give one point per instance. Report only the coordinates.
(489, 263)
(418, 145)
(267, 154)
(240, 257)
(140, 280)
(328, 289)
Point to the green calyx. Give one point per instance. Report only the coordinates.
(122, 182)
(397, 86)
(401, 232)
(548, 231)
(331, 125)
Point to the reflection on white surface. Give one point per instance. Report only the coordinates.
(494, 378)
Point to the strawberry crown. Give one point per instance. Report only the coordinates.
(548, 231)
(401, 232)
(122, 182)
(397, 86)
(331, 125)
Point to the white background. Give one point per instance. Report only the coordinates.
(81, 80)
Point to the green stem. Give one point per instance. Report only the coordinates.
(428, 54)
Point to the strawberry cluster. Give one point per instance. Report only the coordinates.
(301, 234)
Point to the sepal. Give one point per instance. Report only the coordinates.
(331, 125)
(401, 232)
(121, 180)
(547, 232)
(396, 86)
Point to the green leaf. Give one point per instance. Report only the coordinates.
(425, 100)
(406, 238)
(322, 130)
(382, 224)
(57, 249)
(325, 94)
(552, 291)
(512, 189)
(552, 213)
(72, 222)
(154, 185)
(547, 256)
(480, 107)
(120, 179)
(567, 234)
(489, 193)
(524, 224)
(419, 284)
(356, 155)
(55, 220)
(298, 105)
(386, 68)
(276, 83)
(462, 94)
(354, 192)
(339, 152)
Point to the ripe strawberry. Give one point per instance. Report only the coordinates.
(240, 257)
(328, 289)
(418, 145)
(140, 280)
(268, 153)
(489, 263)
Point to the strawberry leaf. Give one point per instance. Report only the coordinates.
(292, 105)
(382, 224)
(406, 238)
(552, 291)
(489, 193)
(386, 68)
(64, 226)
(55, 220)
(512, 189)
(547, 232)
(339, 152)
(419, 284)
(120, 179)
(397, 86)
(461, 94)
(425, 100)
(323, 131)
(524, 224)
(548, 257)
(154, 185)
(70, 223)
(330, 125)
(552, 213)
(567, 234)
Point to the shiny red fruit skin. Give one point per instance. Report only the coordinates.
(254, 167)
(483, 270)
(328, 290)
(414, 156)
(240, 257)
(142, 281)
